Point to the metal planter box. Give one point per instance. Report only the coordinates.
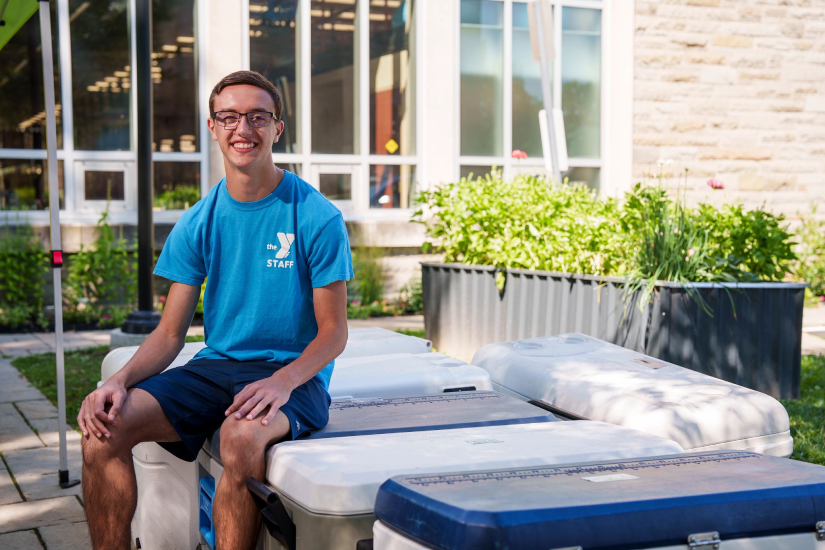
(759, 348)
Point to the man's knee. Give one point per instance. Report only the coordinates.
(97, 452)
(242, 447)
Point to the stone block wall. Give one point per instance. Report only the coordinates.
(733, 90)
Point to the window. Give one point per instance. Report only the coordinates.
(581, 80)
(174, 89)
(101, 185)
(24, 184)
(177, 185)
(347, 72)
(272, 47)
(22, 106)
(391, 186)
(527, 99)
(482, 77)
(333, 77)
(486, 104)
(392, 98)
(101, 69)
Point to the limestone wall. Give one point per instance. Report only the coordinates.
(733, 90)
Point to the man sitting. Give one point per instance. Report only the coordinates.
(277, 257)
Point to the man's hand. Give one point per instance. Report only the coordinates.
(272, 392)
(93, 416)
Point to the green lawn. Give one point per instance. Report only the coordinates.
(82, 375)
(83, 371)
(808, 412)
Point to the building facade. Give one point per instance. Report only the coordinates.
(386, 97)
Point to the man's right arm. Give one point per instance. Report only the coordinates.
(155, 354)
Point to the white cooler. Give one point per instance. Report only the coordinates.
(327, 487)
(585, 378)
(361, 342)
(726, 500)
(378, 341)
(159, 522)
(402, 374)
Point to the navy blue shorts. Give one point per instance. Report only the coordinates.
(195, 397)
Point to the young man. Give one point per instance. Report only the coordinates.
(276, 255)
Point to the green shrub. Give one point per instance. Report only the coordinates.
(368, 282)
(410, 297)
(530, 223)
(178, 198)
(101, 274)
(23, 266)
(810, 248)
(526, 223)
(14, 316)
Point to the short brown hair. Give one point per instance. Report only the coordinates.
(251, 78)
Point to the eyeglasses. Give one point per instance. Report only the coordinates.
(231, 119)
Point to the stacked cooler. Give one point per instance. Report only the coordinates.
(493, 466)
(728, 500)
(171, 493)
(583, 378)
(327, 487)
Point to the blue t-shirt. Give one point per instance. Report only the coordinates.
(262, 260)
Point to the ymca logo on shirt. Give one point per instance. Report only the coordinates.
(284, 247)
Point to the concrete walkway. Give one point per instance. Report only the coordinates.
(34, 511)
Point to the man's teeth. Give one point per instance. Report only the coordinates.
(244, 145)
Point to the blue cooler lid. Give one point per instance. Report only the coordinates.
(626, 504)
(467, 409)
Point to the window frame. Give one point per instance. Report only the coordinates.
(509, 166)
(358, 208)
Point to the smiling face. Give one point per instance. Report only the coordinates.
(245, 147)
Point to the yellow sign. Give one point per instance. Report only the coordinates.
(391, 146)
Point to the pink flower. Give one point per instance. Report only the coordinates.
(518, 154)
(355, 303)
(715, 184)
(107, 317)
(163, 299)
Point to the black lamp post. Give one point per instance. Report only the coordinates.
(145, 319)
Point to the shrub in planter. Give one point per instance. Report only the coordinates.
(527, 223)
(810, 248)
(23, 266)
(102, 274)
(530, 223)
(673, 242)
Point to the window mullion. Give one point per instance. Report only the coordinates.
(507, 121)
(305, 85)
(360, 185)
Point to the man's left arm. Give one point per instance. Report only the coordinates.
(330, 303)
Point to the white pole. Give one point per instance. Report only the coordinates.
(540, 20)
(57, 253)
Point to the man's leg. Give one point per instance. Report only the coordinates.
(243, 447)
(109, 485)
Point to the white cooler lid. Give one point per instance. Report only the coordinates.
(360, 342)
(341, 476)
(117, 358)
(378, 341)
(605, 382)
(402, 374)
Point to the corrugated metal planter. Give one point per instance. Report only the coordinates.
(760, 348)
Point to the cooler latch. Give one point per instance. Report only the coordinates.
(704, 540)
(820, 530)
